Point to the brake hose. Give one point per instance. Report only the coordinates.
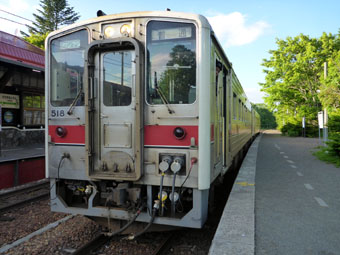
(173, 204)
(127, 224)
(154, 210)
(161, 195)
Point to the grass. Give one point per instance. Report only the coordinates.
(327, 155)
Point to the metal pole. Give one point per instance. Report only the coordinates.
(319, 136)
(325, 120)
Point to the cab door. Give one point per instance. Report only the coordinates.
(115, 136)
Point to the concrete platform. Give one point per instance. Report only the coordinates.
(293, 210)
(22, 152)
(236, 231)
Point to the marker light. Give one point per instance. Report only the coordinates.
(179, 133)
(109, 32)
(61, 131)
(125, 30)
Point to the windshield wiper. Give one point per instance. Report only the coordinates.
(161, 95)
(75, 100)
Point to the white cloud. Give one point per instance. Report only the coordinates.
(232, 30)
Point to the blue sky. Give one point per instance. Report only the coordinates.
(247, 29)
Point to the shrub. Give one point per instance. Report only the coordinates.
(312, 131)
(334, 123)
(291, 129)
(328, 156)
(334, 142)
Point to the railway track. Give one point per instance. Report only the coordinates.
(18, 196)
(92, 245)
(95, 244)
(164, 245)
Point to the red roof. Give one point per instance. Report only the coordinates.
(15, 49)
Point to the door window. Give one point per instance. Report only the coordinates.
(117, 75)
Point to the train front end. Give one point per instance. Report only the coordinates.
(125, 122)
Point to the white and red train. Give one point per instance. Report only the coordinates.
(144, 112)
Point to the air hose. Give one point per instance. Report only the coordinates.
(173, 204)
(161, 194)
(127, 224)
(154, 210)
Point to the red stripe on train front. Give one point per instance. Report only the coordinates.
(74, 134)
(155, 135)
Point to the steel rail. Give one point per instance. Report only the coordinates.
(92, 245)
(164, 245)
(5, 197)
(22, 202)
(23, 188)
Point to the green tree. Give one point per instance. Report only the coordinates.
(330, 88)
(37, 39)
(293, 74)
(268, 120)
(52, 15)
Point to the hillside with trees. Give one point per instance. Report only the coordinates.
(268, 120)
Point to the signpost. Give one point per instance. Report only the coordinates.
(325, 126)
(325, 119)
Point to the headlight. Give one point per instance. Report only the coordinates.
(109, 32)
(125, 30)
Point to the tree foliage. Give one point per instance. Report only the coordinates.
(37, 39)
(294, 76)
(268, 120)
(52, 15)
(330, 88)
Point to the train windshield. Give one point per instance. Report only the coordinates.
(67, 68)
(171, 63)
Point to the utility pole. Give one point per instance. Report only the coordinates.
(325, 129)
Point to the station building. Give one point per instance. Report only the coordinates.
(22, 91)
(22, 101)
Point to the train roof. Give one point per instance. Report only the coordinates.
(200, 19)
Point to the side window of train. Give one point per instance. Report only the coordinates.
(242, 112)
(218, 69)
(239, 109)
(245, 113)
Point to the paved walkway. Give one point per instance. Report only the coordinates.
(297, 199)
